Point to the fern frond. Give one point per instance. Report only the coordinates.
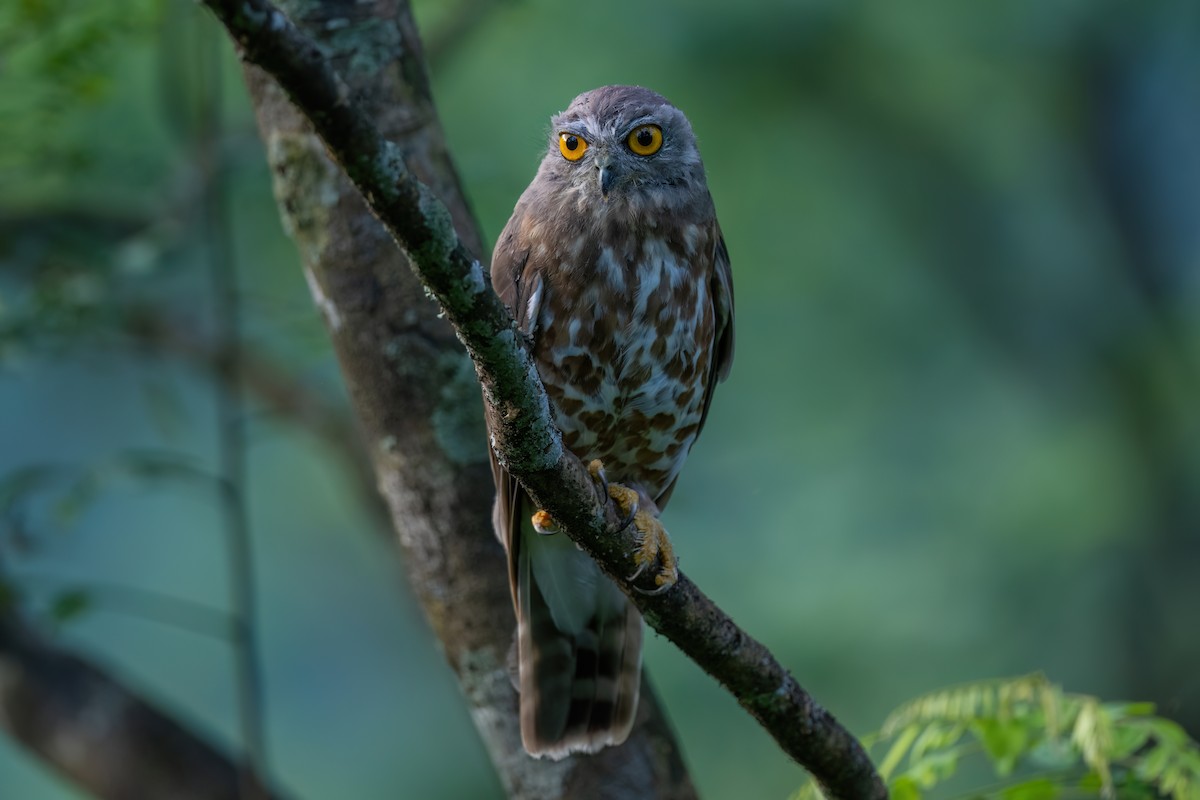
(1031, 722)
(999, 698)
(1093, 736)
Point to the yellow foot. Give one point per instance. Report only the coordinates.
(543, 523)
(654, 545)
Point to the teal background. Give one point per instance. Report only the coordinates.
(959, 441)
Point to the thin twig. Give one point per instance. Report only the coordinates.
(525, 437)
(231, 434)
(134, 601)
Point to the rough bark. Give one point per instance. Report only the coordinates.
(100, 734)
(414, 389)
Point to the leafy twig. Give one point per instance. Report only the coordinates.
(1094, 747)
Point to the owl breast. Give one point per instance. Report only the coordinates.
(624, 349)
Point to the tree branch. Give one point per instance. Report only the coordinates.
(99, 733)
(524, 436)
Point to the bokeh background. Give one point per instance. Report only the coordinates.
(961, 438)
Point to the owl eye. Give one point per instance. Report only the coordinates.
(571, 146)
(645, 140)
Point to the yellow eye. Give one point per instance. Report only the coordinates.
(572, 147)
(645, 140)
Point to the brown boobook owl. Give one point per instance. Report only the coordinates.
(614, 267)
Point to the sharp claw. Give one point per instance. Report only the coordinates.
(628, 520)
(627, 501)
(637, 573)
(654, 592)
(599, 480)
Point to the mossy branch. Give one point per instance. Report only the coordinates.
(524, 436)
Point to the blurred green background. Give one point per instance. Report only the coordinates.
(961, 438)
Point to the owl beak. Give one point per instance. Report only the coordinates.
(608, 176)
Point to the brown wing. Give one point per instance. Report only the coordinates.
(720, 285)
(513, 286)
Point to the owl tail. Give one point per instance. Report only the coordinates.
(579, 644)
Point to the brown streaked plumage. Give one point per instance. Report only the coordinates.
(614, 266)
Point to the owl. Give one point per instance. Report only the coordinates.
(614, 267)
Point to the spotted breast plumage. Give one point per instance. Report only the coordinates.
(615, 268)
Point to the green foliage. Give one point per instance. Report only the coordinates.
(72, 258)
(9, 596)
(69, 604)
(58, 54)
(1042, 743)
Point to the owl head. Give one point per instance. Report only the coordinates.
(624, 145)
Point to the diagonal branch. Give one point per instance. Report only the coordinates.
(525, 438)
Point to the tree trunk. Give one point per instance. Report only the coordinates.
(415, 394)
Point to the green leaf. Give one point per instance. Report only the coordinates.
(1004, 697)
(1166, 732)
(1129, 787)
(936, 737)
(1054, 754)
(809, 791)
(9, 596)
(1152, 765)
(934, 768)
(1173, 779)
(1126, 710)
(1092, 734)
(1004, 741)
(1126, 752)
(69, 604)
(904, 788)
(1036, 789)
(1128, 738)
(896, 752)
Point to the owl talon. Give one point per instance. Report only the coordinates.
(543, 523)
(661, 589)
(627, 501)
(600, 481)
(637, 573)
(654, 545)
(655, 551)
